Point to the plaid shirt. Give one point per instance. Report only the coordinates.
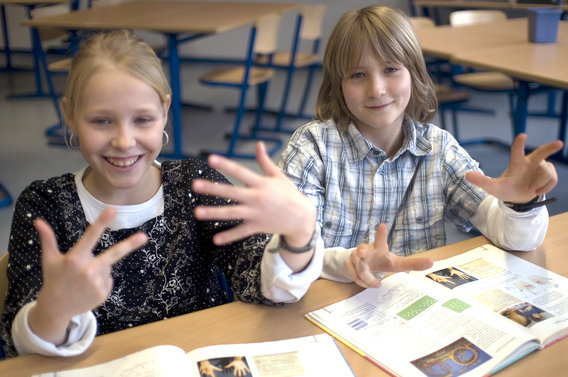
(355, 186)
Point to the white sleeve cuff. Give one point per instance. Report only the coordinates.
(278, 282)
(81, 332)
(334, 264)
(509, 229)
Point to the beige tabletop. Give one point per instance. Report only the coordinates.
(466, 4)
(168, 16)
(238, 322)
(32, 2)
(446, 41)
(545, 63)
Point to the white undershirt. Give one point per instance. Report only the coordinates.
(127, 216)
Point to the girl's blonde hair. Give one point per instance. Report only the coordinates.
(390, 35)
(117, 48)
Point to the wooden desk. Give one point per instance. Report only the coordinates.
(425, 6)
(504, 47)
(466, 4)
(7, 50)
(238, 322)
(172, 18)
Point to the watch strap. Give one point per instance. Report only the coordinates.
(299, 250)
(534, 203)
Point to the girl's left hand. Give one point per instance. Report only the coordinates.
(526, 176)
(267, 203)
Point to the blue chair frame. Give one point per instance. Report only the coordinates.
(236, 135)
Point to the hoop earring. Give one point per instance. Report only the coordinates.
(165, 138)
(73, 142)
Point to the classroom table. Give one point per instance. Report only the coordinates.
(7, 50)
(503, 46)
(239, 322)
(503, 5)
(175, 19)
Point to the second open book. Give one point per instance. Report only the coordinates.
(309, 356)
(469, 315)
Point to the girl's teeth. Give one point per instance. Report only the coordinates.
(123, 163)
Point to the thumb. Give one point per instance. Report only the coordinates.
(481, 180)
(414, 263)
(264, 161)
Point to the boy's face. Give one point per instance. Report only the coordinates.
(377, 95)
(119, 123)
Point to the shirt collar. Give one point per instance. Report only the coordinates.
(414, 142)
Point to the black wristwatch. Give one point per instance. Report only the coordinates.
(299, 250)
(534, 203)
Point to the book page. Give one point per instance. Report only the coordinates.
(411, 331)
(311, 356)
(528, 295)
(159, 361)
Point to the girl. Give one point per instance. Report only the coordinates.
(117, 244)
(383, 178)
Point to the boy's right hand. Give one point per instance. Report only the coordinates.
(75, 282)
(368, 259)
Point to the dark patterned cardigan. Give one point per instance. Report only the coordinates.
(175, 273)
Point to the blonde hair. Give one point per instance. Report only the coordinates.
(118, 48)
(390, 35)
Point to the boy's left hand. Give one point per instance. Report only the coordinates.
(526, 177)
(371, 258)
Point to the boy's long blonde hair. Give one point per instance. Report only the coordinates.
(390, 35)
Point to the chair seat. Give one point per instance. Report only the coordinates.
(486, 80)
(235, 75)
(63, 65)
(283, 59)
(446, 94)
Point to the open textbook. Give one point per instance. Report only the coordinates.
(310, 356)
(469, 315)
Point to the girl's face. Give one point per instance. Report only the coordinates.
(120, 122)
(377, 95)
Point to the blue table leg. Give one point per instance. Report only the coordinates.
(561, 156)
(173, 59)
(36, 50)
(5, 198)
(7, 50)
(521, 109)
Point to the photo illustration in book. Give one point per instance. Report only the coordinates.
(224, 366)
(452, 360)
(451, 277)
(525, 314)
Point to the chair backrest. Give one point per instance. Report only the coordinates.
(48, 33)
(476, 16)
(312, 20)
(3, 279)
(266, 40)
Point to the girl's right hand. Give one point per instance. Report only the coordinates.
(75, 282)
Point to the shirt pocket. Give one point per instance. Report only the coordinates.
(419, 228)
(338, 230)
